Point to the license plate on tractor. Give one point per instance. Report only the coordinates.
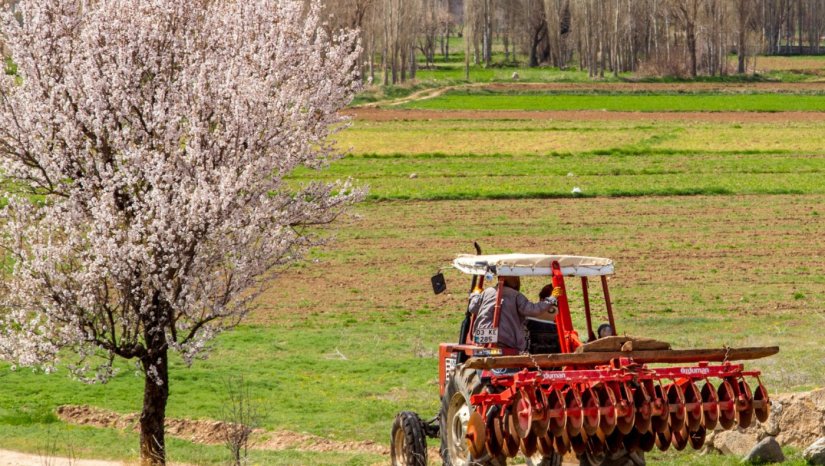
(483, 336)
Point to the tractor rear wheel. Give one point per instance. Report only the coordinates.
(408, 445)
(454, 416)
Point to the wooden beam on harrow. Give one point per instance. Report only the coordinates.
(546, 361)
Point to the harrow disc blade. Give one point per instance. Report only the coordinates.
(529, 445)
(626, 409)
(676, 404)
(476, 434)
(562, 443)
(745, 405)
(680, 438)
(631, 440)
(545, 444)
(641, 401)
(522, 415)
(693, 406)
(511, 442)
(575, 419)
(663, 439)
(727, 405)
(710, 406)
(541, 416)
(591, 417)
(697, 438)
(614, 442)
(607, 404)
(661, 418)
(647, 441)
(578, 442)
(556, 413)
(595, 446)
(494, 435)
(762, 404)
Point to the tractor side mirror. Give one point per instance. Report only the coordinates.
(439, 284)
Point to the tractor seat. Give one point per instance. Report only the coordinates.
(543, 337)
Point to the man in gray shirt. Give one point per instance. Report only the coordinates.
(515, 309)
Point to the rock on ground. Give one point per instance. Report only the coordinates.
(797, 420)
(798, 417)
(815, 454)
(731, 442)
(766, 451)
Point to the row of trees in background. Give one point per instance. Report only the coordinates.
(655, 37)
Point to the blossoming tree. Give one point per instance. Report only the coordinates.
(147, 144)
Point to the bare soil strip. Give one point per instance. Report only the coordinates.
(212, 432)
(14, 458)
(376, 114)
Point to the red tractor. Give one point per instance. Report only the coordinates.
(600, 400)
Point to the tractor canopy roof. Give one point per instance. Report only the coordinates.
(532, 264)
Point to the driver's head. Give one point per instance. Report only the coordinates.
(512, 282)
(546, 292)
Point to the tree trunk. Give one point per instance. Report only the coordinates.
(799, 22)
(691, 45)
(742, 51)
(155, 395)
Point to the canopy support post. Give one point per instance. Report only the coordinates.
(590, 335)
(609, 305)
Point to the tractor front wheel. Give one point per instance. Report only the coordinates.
(454, 416)
(409, 440)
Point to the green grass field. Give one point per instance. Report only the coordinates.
(625, 103)
(679, 261)
(715, 225)
(461, 159)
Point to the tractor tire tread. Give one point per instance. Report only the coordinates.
(621, 458)
(415, 439)
(467, 381)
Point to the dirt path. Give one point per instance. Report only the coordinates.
(14, 458)
(377, 114)
(420, 95)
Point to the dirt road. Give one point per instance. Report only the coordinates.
(14, 458)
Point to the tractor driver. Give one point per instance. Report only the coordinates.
(515, 308)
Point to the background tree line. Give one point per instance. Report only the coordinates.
(685, 38)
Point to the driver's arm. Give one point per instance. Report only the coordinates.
(528, 309)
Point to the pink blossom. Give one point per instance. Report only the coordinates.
(157, 136)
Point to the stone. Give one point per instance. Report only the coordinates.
(413, 175)
(798, 419)
(815, 453)
(734, 442)
(766, 451)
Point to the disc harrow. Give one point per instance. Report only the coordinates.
(624, 405)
